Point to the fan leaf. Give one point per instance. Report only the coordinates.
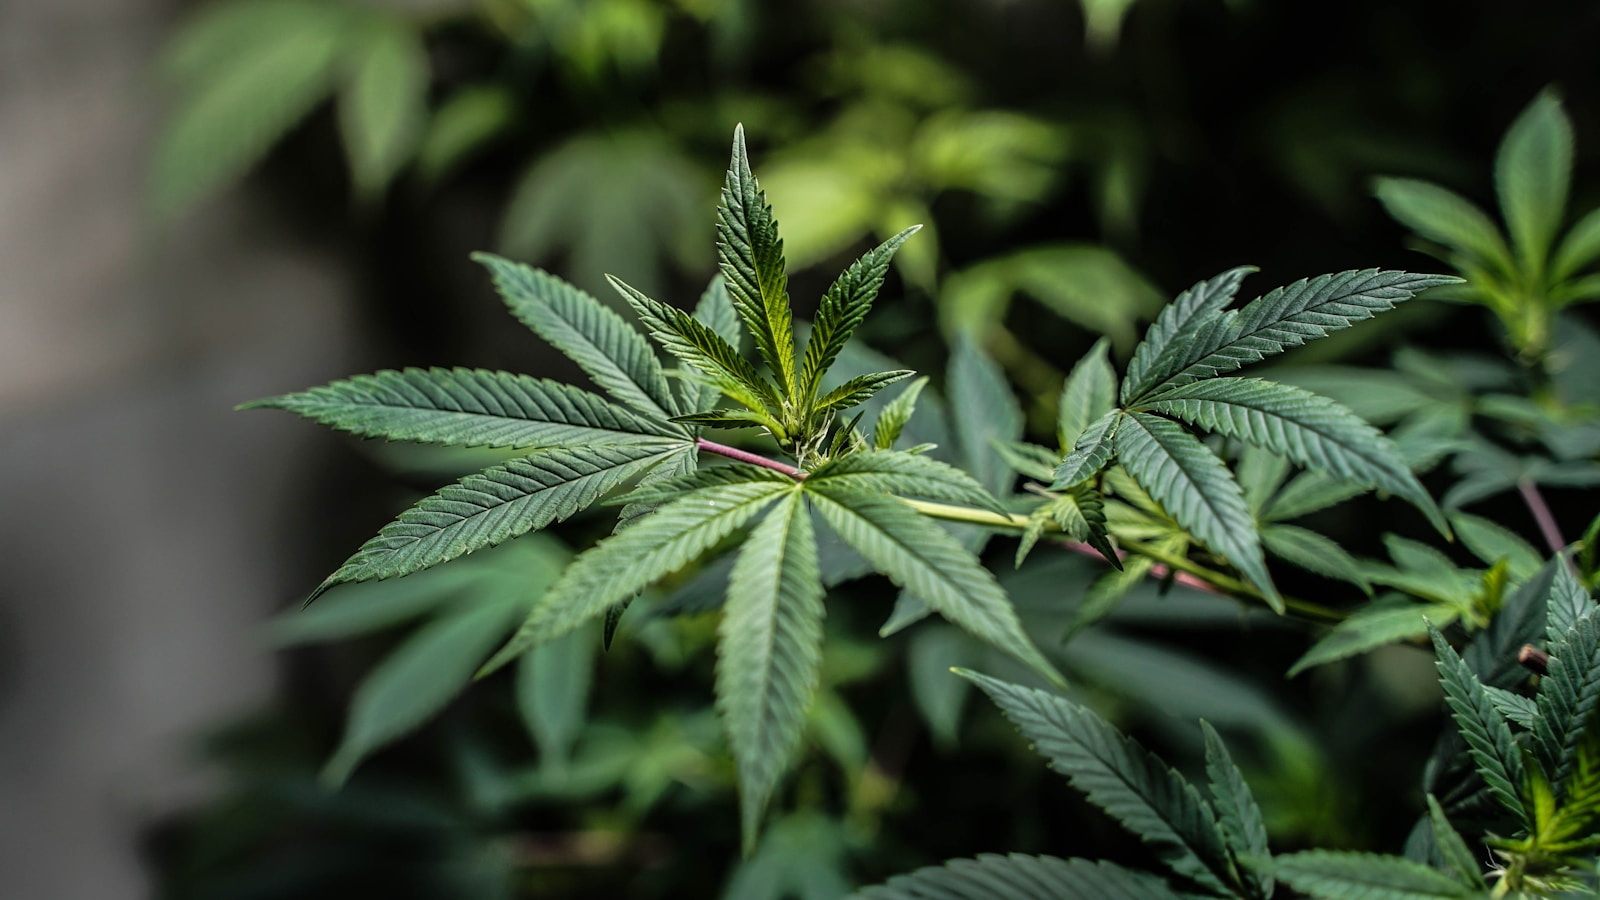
(751, 260)
(1489, 739)
(843, 308)
(1243, 827)
(1198, 302)
(1019, 877)
(899, 472)
(1335, 875)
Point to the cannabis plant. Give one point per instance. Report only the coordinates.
(1537, 757)
(641, 445)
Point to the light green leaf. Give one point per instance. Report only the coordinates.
(467, 120)
(1178, 317)
(1094, 450)
(1019, 877)
(384, 101)
(920, 557)
(1375, 625)
(1335, 875)
(769, 651)
(895, 414)
(1243, 828)
(680, 462)
(473, 408)
(609, 350)
(1089, 392)
(1569, 694)
(983, 410)
(1087, 284)
(1579, 249)
(1493, 543)
(493, 506)
(1532, 172)
(1459, 861)
(1489, 740)
(702, 478)
(715, 311)
(553, 693)
(630, 560)
(843, 308)
(1314, 553)
(417, 680)
(751, 261)
(1194, 486)
(1446, 217)
(1309, 309)
(857, 391)
(1135, 787)
(1311, 430)
(1260, 473)
(249, 72)
(899, 472)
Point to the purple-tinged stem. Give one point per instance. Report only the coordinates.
(1542, 515)
(754, 459)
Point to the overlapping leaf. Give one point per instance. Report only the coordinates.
(752, 265)
(1489, 739)
(1243, 828)
(843, 308)
(1195, 304)
(1367, 876)
(1019, 877)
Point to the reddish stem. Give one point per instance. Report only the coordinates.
(1541, 515)
(754, 459)
(1157, 571)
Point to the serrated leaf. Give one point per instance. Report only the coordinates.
(1135, 787)
(1029, 460)
(1094, 450)
(702, 349)
(983, 410)
(899, 472)
(1532, 172)
(493, 506)
(684, 461)
(751, 261)
(250, 75)
(1243, 828)
(1089, 392)
(715, 311)
(857, 391)
(1446, 217)
(920, 557)
(895, 414)
(1194, 486)
(553, 694)
(383, 102)
(769, 652)
(1307, 493)
(1105, 592)
(630, 560)
(1520, 620)
(1309, 309)
(1372, 626)
(1568, 602)
(1309, 429)
(843, 308)
(1018, 877)
(608, 349)
(686, 484)
(1314, 553)
(1494, 751)
(1337, 875)
(1204, 299)
(1568, 696)
(472, 408)
(417, 680)
(1516, 708)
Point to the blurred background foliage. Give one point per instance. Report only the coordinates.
(1074, 164)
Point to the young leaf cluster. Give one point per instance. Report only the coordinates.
(577, 447)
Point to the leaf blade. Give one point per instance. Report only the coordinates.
(750, 255)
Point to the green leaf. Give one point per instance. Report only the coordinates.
(899, 472)
(1105, 592)
(1459, 862)
(1568, 696)
(1087, 284)
(1089, 392)
(1579, 249)
(920, 557)
(680, 462)
(1309, 309)
(1194, 486)
(1568, 602)
(715, 311)
(1515, 707)
(492, 506)
(702, 478)
(630, 560)
(1532, 172)
(1307, 493)
(1314, 553)
(1243, 828)
(1372, 626)
(751, 261)
(609, 350)
(249, 72)
(1446, 217)
(1178, 317)
(895, 414)
(940, 696)
(983, 410)
(702, 349)
(1336, 875)
(769, 652)
(843, 308)
(1135, 787)
(384, 101)
(1493, 543)
(1311, 430)
(1019, 877)
(857, 391)
(473, 408)
(553, 693)
(464, 123)
(417, 680)
(1489, 740)
(1094, 450)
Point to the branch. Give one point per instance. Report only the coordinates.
(753, 459)
(1541, 514)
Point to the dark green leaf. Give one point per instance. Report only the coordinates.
(983, 410)
(843, 308)
(857, 391)
(1178, 317)
(1018, 877)
(895, 414)
(899, 472)
(1568, 696)
(1237, 812)
(1493, 749)
(1089, 392)
(1094, 450)
(752, 265)
(1372, 626)
(1314, 553)
(1459, 862)
(1333, 875)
